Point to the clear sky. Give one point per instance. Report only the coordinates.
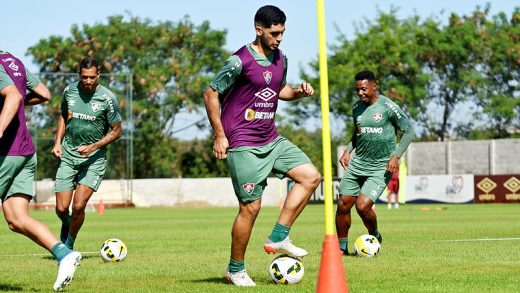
(25, 22)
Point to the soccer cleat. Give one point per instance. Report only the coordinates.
(240, 278)
(284, 247)
(344, 252)
(66, 270)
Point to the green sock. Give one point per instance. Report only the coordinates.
(280, 232)
(236, 266)
(343, 243)
(70, 242)
(59, 251)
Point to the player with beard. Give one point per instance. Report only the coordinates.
(241, 104)
(90, 120)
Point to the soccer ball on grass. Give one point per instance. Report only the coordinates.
(286, 269)
(367, 246)
(113, 250)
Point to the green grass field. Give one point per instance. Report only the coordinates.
(187, 250)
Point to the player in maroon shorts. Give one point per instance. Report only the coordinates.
(393, 190)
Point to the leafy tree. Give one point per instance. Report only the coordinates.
(170, 64)
(428, 66)
(499, 97)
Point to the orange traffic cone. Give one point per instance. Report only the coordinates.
(331, 278)
(101, 208)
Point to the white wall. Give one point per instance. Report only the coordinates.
(170, 192)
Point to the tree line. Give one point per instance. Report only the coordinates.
(436, 69)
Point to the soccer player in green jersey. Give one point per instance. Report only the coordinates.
(18, 163)
(90, 120)
(377, 120)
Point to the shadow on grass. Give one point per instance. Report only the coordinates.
(83, 257)
(216, 280)
(7, 287)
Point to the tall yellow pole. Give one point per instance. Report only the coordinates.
(325, 120)
(331, 276)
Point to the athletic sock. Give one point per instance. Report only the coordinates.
(59, 251)
(377, 234)
(70, 242)
(280, 232)
(343, 244)
(236, 266)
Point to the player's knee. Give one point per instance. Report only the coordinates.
(61, 210)
(78, 207)
(316, 178)
(15, 225)
(251, 209)
(363, 208)
(344, 205)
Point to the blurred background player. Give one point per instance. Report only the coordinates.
(241, 104)
(377, 120)
(18, 163)
(90, 120)
(393, 190)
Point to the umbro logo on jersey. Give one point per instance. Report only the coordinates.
(268, 75)
(378, 117)
(266, 94)
(95, 106)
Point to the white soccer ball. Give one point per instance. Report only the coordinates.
(113, 250)
(367, 246)
(286, 269)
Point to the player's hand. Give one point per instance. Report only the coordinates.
(305, 89)
(56, 151)
(220, 147)
(393, 164)
(85, 150)
(345, 158)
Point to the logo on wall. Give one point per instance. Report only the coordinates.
(512, 184)
(268, 75)
(457, 183)
(487, 185)
(248, 187)
(422, 185)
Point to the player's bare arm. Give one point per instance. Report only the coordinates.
(11, 103)
(60, 133)
(39, 95)
(288, 93)
(112, 135)
(220, 143)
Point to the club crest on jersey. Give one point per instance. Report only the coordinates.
(95, 106)
(268, 75)
(248, 187)
(378, 117)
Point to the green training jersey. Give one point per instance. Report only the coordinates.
(375, 139)
(89, 117)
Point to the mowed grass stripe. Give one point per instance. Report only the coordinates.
(187, 250)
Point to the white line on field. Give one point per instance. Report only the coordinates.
(44, 254)
(481, 239)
